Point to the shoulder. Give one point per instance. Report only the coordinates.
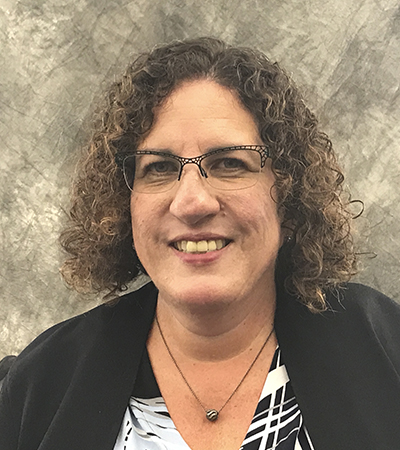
(362, 304)
(370, 313)
(83, 329)
(347, 303)
(355, 313)
(66, 344)
(357, 318)
(360, 296)
(63, 370)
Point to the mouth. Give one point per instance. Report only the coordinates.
(203, 246)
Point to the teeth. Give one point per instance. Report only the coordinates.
(212, 245)
(219, 243)
(191, 247)
(200, 246)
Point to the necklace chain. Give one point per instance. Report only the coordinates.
(211, 414)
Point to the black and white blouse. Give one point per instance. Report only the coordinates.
(277, 422)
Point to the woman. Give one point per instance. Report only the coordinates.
(206, 171)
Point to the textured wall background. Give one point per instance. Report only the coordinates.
(57, 55)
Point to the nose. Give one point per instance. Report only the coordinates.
(194, 200)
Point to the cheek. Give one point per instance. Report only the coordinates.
(139, 218)
(146, 219)
(257, 211)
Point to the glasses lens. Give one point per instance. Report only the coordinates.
(150, 173)
(232, 169)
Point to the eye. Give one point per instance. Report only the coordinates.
(162, 167)
(154, 166)
(223, 165)
(231, 163)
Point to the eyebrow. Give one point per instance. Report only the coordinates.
(209, 150)
(157, 150)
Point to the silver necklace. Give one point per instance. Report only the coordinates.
(211, 413)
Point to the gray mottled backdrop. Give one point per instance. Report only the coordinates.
(57, 56)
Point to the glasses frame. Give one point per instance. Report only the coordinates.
(121, 157)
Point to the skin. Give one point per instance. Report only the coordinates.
(216, 309)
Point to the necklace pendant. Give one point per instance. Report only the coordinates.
(212, 415)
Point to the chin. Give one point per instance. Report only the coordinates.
(199, 294)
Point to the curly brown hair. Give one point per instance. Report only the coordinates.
(319, 255)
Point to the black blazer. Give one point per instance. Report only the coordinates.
(69, 389)
(5, 365)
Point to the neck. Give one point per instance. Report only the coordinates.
(216, 332)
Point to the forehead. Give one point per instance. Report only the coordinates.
(201, 115)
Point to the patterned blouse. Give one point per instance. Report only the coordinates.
(277, 422)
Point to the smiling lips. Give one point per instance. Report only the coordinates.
(200, 246)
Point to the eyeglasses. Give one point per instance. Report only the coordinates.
(229, 168)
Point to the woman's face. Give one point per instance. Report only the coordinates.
(199, 116)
